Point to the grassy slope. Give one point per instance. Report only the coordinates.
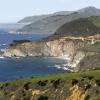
(85, 26)
(91, 61)
(95, 20)
(67, 76)
(79, 27)
(20, 89)
(92, 48)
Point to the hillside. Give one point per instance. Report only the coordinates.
(95, 20)
(80, 27)
(90, 62)
(65, 86)
(32, 19)
(51, 23)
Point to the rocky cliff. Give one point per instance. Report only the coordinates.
(55, 48)
(66, 47)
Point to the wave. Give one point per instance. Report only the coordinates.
(58, 66)
(63, 67)
(3, 44)
(1, 57)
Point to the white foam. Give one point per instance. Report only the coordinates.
(2, 57)
(3, 44)
(65, 68)
(57, 66)
(61, 67)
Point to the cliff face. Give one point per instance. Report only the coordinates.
(65, 47)
(55, 48)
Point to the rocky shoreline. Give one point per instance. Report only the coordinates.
(68, 48)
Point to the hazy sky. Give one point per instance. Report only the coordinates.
(14, 10)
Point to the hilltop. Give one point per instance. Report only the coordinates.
(32, 19)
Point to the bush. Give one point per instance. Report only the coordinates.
(15, 42)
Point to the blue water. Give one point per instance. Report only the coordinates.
(6, 38)
(11, 68)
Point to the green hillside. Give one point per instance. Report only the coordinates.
(95, 20)
(80, 27)
(53, 87)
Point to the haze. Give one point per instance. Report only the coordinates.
(13, 10)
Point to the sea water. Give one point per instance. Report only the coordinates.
(11, 68)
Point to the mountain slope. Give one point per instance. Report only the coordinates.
(32, 19)
(95, 20)
(80, 27)
(51, 23)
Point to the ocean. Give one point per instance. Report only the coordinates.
(12, 68)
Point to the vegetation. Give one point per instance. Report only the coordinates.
(15, 42)
(92, 59)
(95, 20)
(50, 87)
(95, 73)
(67, 76)
(92, 48)
(90, 62)
(82, 27)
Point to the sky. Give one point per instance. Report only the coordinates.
(13, 10)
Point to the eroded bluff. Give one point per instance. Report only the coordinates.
(65, 47)
(55, 48)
